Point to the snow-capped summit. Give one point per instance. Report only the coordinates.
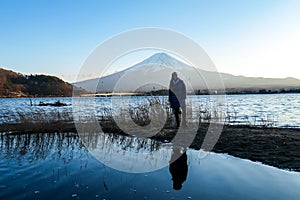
(163, 60)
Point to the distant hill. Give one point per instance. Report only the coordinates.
(160, 66)
(14, 84)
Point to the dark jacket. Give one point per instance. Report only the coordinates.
(177, 94)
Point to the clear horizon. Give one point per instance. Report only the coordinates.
(248, 38)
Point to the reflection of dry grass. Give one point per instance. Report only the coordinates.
(40, 145)
(272, 146)
(123, 142)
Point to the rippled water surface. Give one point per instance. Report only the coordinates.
(58, 166)
(279, 110)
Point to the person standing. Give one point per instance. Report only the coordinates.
(177, 96)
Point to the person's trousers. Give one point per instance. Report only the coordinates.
(177, 112)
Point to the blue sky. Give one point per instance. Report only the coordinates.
(251, 38)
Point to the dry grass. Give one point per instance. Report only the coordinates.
(62, 120)
(39, 121)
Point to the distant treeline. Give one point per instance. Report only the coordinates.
(263, 91)
(229, 91)
(42, 85)
(14, 84)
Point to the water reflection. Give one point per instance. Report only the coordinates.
(127, 154)
(122, 152)
(39, 146)
(58, 165)
(178, 168)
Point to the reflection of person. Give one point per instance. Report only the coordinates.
(177, 96)
(178, 168)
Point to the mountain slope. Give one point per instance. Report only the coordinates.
(14, 84)
(159, 67)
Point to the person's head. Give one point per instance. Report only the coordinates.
(174, 75)
(177, 185)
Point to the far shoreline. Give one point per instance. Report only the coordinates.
(110, 94)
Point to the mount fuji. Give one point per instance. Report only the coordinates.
(154, 73)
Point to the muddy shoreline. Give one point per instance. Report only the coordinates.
(278, 147)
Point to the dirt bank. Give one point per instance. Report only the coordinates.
(277, 147)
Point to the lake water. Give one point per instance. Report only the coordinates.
(278, 110)
(57, 166)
